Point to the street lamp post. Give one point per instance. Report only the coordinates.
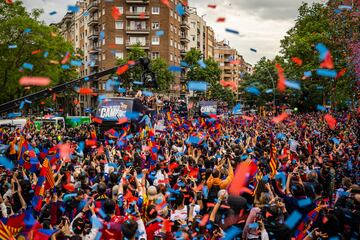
(273, 83)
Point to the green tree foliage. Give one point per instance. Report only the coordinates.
(211, 74)
(159, 66)
(23, 30)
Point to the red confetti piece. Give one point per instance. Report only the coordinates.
(204, 220)
(116, 13)
(34, 81)
(97, 120)
(9, 1)
(248, 118)
(66, 58)
(281, 81)
(235, 62)
(229, 84)
(131, 62)
(90, 142)
(341, 73)
(328, 62)
(100, 150)
(142, 15)
(76, 101)
(237, 186)
(297, 61)
(65, 151)
(212, 6)
(331, 121)
(85, 91)
(280, 117)
(42, 103)
(54, 97)
(121, 70)
(166, 2)
(221, 19)
(36, 51)
(122, 120)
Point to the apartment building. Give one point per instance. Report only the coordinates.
(155, 27)
(231, 63)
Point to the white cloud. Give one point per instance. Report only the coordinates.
(261, 23)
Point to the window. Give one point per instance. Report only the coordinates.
(171, 57)
(103, 41)
(134, 9)
(103, 26)
(103, 11)
(119, 25)
(119, 55)
(119, 40)
(155, 55)
(121, 9)
(171, 42)
(103, 56)
(171, 27)
(134, 25)
(155, 25)
(155, 10)
(193, 24)
(155, 41)
(139, 40)
(172, 13)
(193, 37)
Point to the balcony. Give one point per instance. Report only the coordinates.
(93, 7)
(93, 21)
(93, 35)
(137, 30)
(138, 1)
(184, 26)
(184, 39)
(137, 15)
(94, 50)
(143, 45)
(183, 52)
(94, 63)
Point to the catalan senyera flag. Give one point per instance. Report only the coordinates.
(273, 162)
(6, 232)
(49, 175)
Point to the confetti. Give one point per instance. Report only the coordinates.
(297, 61)
(232, 233)
(280, 117)
(308, 74)
(65, 66)
(304, 202)
(253, 90)
(326, 73)
(27, 30)
(331, 121)
(341, 73)
(86, 13)
(320, 108)
(97, 120)
(66, 58)
(180, 9)
(115, 13)
(292, 84)
(147, 93)
(76, 63)
(72, 8)
(122, 69)
(253, 50)
(231, 31)
(7, 163)
(328, 62)
(46, 54)
(174, 68)
(102, 35)
(28, 66)
(268, 91)
(12, 46)
(34, 81)
(197, 86)
(201, 63)
(85, 91)
(52, 13)
(138, 83)
(160, 33)
(237, 185)
(345, 7)
(281, 78)
(220, 19)
(212, 6)
(293, 219)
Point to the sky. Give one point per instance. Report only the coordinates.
(261, 23)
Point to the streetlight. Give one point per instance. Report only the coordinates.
(273, 83)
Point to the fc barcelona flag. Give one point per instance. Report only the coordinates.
(273, 161)
(27, 156)
(53, 154)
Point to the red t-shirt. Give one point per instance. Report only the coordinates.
(153, 228)
(112, 229)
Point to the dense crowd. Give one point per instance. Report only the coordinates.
(202, 178)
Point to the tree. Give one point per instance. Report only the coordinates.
(209, 72)
(159, 66)
(21, 35)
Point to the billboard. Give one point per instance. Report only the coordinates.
(116, 108)
(208, 107)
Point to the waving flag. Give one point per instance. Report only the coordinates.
(273, 161)
(27, 156)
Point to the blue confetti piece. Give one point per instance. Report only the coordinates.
(160, 33)
(7, 163)
(46, 54)
(337, 11)
(95, 222)
(76, 63)
(282, 177)
(65, 66)
(132, 115)
(322, 49)
(147, 93)
(268, 91)
(308, 74)
(320, 108)
(12, 46)
(138, 83)
(253, 225)
(237, 109)
(293, 219)
(304, 202)
(130, 136)
(197, 86)
(174, 68)
(86, 78)
(21, 106)
(102, 213)
(335, 140)
(231, 31)
(14, 115)
(253, 50)
(319, 87)
(253, 90)
(193, 140)
(201, 63)
(72, 8)
(345, 7)
(280, 136)
(27, 101)
(326, 73)
(180, 9)
(28, 66)
(27, 30)
(184, 64)
(231, 233)
(52, 13)
(102, 35)
(122, 90)
(86, 13)
(292, 84)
